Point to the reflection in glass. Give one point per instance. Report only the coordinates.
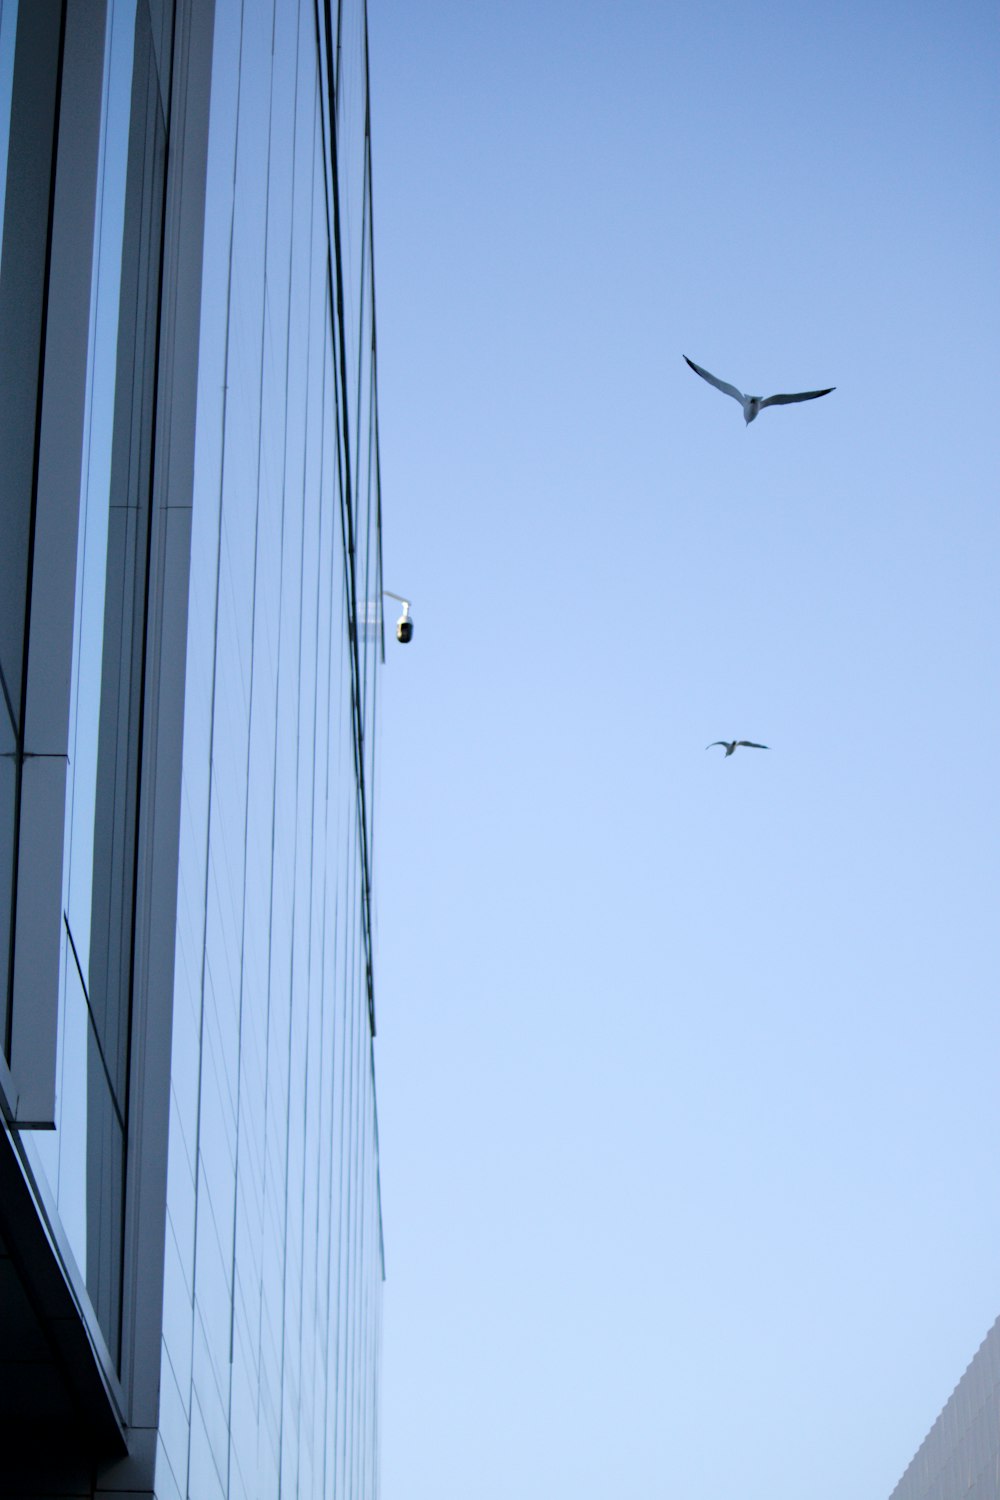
(8, 792)
(103, 793)
(96, 476)
(116, 804)
(8, 28)
(105, 1199)
(273, 982)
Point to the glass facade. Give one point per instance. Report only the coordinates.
(202, 706)
(274, 1250)
(29, 67)
(961, 1453)
(108, 650)
(8, 710)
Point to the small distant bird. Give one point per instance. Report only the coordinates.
(753, 404)
(730, 745)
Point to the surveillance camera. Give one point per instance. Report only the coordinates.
(404, 625)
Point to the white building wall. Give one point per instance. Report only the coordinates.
(960, 1456)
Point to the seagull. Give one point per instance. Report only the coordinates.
(753, 404)
(730, 745)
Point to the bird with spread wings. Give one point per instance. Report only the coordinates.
(730, 745)
(753, 404)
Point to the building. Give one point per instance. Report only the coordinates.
(190, 565)
(960, 1456)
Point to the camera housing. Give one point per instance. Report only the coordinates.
(404, 625)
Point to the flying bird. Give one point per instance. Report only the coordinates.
(753, 404)
(730, 745)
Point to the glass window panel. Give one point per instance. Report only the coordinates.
(96, 476)
(73, 1080)
(8, 28)
(109, 640)
(8, 792)
(116, 804)
(29, 66)
(105, 1204)
(29, 111)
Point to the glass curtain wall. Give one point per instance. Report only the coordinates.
(8, 710)
(8, 30)
(273, 1257)
(86, 1156)
(30, 65)
(273, 1264)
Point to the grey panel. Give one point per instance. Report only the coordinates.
(961, 1453)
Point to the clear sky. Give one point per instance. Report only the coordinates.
(687, 1067)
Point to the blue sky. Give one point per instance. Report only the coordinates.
(686, 1066)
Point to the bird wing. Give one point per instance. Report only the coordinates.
(720, 385)
(723, 743)
(751, 744)
(800, 396)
